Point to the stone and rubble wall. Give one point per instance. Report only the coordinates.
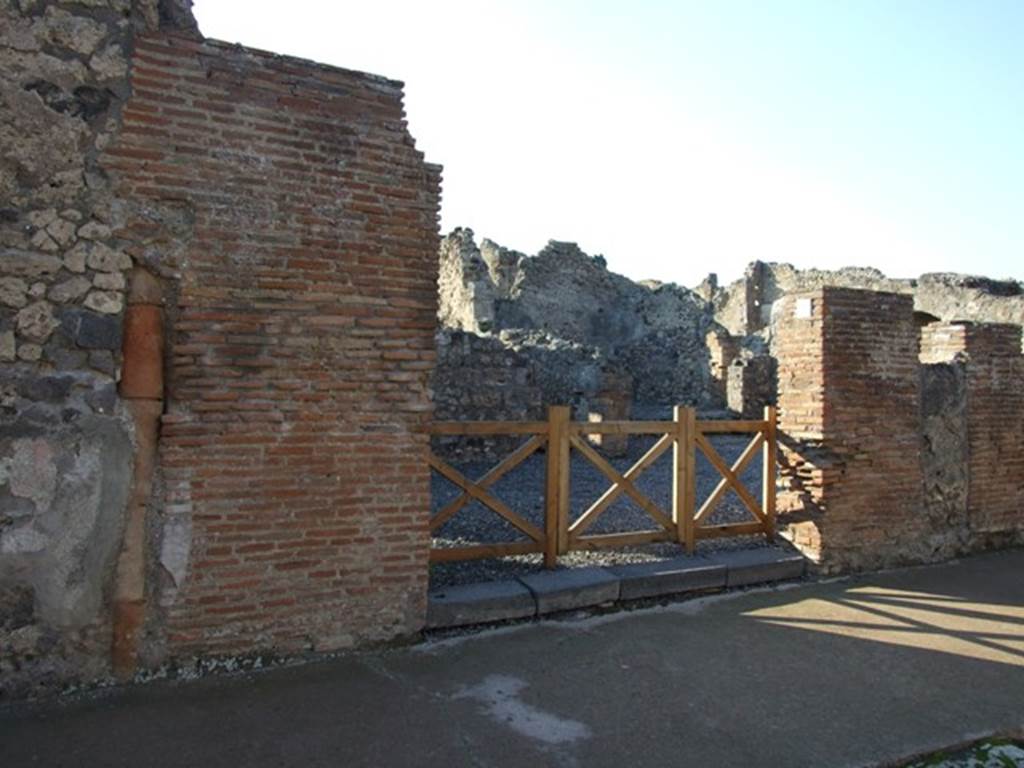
(265, 227)
(537, 308)
(945, 453)
(751, 384)
(68, 442)
(515, 377)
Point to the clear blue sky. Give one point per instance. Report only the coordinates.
(679, 138)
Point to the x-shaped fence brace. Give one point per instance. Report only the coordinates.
(557, 535)
(730, 477)
(477, 490)
(621, 483)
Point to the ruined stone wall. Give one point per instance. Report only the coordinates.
(67, 440)
(515, 377)
(952, 297)
(564, 297)
(751, 384)
(945, 451)
(285, 226)
(723, 349)
(466, 291)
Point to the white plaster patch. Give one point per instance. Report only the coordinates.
(500, 696)
(176, 546)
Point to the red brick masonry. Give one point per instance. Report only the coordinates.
(855, 444)
(288, 206)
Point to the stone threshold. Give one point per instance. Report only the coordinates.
(539, 594)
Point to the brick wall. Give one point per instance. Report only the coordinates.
(849, 384)
(301, 342)
(888, 460)
(995, 431)
(993, 421)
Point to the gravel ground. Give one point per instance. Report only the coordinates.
(523, 491)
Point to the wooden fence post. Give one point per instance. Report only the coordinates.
(679, 470)
(684, 475)
(769, 458)
(556, 489)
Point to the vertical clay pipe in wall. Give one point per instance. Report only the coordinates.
(142, 390)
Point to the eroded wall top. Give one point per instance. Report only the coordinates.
(654, 331)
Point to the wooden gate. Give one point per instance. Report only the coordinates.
(557, 534)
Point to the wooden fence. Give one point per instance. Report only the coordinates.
(685, 523)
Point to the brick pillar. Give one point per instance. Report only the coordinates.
(849, 427)
(995, 433)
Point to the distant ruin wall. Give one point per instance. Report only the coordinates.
(512, 378)
(283, 226)
(539, 307)
(748, 305)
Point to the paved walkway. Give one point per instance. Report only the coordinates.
(847, 673)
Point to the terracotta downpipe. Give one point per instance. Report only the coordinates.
(142, 390)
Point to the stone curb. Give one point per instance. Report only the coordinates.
(547, 592)
(479, 604)
(669, 577)
(757, 566)
(566, 590)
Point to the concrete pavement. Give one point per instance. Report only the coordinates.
(848, 673)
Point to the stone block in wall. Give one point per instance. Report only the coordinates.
(64, 485)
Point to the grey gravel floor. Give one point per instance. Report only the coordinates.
(523, 491)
